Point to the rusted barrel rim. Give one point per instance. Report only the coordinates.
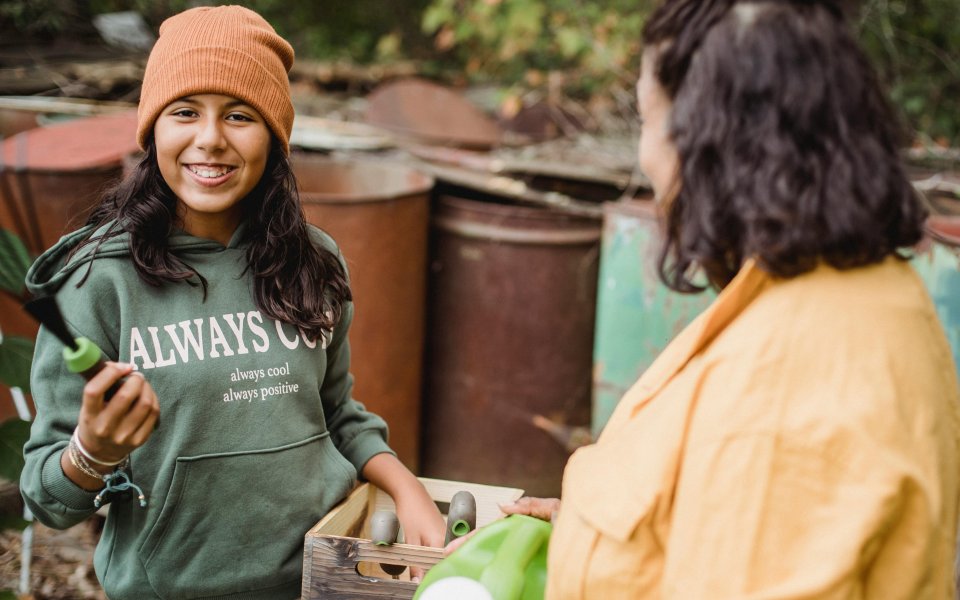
(517, 235)
(416, 183)
(16, 169)
(945, 230)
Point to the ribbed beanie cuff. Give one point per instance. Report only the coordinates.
(226, 50)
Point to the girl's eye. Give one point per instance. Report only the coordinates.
(184, 112)
(238, 117)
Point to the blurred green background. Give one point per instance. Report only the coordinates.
(581, 48)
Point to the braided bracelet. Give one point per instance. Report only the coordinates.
(76, 440)
(80, 463)
(115, 481)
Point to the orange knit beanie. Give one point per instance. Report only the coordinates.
(226, 50)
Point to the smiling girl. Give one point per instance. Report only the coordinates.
(199, 276)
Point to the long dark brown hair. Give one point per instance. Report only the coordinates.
(788, 149)
(294, 280)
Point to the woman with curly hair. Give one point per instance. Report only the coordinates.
(800, 438)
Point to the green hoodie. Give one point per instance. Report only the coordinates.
(258, 435)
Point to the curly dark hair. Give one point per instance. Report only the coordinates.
(788, 149)
(294, 281)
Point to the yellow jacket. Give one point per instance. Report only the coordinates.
(800, 439)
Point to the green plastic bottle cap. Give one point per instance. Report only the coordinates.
(85, 356)
(460, 528)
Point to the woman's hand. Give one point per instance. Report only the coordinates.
(541, 508)
(111, 430)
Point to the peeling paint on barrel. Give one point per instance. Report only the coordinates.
(937, 261)
(637, 315)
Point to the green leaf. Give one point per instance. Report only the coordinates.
(8, 521)
(526, 20)
(13, 435)
(14, 262)
(434, 17)
(16, 356)
(8, 595)
(570, 41)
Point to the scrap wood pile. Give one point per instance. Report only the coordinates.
(61, 565)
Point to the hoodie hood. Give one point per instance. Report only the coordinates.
(49, 272)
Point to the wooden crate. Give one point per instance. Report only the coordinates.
(340, 561)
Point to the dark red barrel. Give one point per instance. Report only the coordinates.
(378, 214)
(511, 306)
(50, 177)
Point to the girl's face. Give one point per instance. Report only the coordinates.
(658, 154)
(212, 150)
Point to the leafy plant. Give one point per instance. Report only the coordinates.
(35, 16)
(916, 47)
(594, 43)
(16, 354)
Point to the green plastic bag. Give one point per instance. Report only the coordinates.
(508, 559)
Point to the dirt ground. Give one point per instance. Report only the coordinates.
(62, 563)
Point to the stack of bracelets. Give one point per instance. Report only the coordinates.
(115, 481)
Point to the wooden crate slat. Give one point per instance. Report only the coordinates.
(337, 564)
(333, 565)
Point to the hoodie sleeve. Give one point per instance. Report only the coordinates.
(54, 499)
(357, 433)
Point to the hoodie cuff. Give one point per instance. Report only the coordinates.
(364, 447)
(56, 483)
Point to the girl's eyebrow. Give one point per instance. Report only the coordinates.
(195, 102)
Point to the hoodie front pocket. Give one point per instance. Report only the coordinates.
(234, 522)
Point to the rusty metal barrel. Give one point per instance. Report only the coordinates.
(379, 216)
(510, 336)
(50, 178)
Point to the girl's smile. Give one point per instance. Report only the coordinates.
(210, 175)
(212, 150)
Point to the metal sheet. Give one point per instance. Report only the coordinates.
(427, 111)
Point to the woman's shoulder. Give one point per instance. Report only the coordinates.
(853, 344)
(885, 297)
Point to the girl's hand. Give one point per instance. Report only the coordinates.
(421, 521)
(419, 516)
(110, 431)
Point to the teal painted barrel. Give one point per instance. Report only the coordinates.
(637, 315)
(937, 260)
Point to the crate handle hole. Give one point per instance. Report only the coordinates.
(376, 569)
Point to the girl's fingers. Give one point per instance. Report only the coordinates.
(141, 435)
(98, 385)
(145, 405)
(457, 542)
(123, 401)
